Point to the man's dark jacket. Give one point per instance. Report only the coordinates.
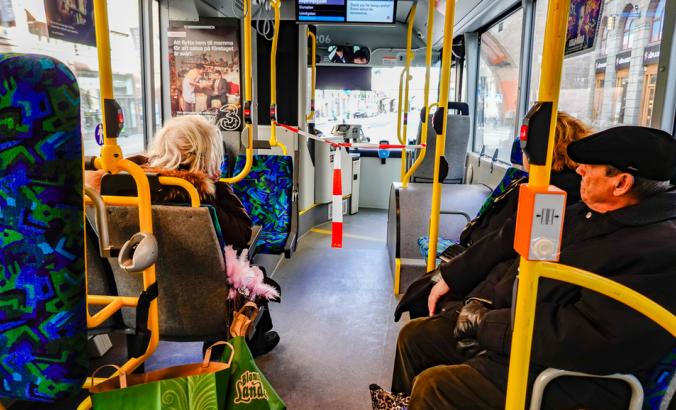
(577, 329)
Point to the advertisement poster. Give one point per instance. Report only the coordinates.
(71, 20)
(7, 18)
(583, 25)
(204, 70)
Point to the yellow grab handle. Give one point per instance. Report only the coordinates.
(426, 96)
(248, 84)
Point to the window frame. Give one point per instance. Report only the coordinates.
(658, 18)
(628, 32)
(525, 25)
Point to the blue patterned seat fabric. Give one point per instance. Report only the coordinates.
(661, 383)
(266, 194)
(442, 245)
(511, 174)
(42, 276)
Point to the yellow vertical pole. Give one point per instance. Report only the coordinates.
(273, 78)
(111, 151)
(111, 160)
(444, 84)
(428, 64)
(311, 116)
(248, 87)
(409, 58)
(399, 103)
(550, 82)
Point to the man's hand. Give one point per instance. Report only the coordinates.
(467, 326)
(439, 290)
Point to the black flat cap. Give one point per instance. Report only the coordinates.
(641, 151)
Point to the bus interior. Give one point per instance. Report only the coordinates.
(360, 140)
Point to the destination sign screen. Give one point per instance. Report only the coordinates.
(346, 11)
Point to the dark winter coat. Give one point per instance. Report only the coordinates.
(577, 329)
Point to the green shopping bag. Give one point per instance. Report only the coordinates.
(198, 386)
(248, 388)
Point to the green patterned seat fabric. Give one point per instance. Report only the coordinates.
(42, 282)
(266, 194)
(442, 245)
(511, 175)
(661, 384)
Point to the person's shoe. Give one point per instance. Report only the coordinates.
(268, 342)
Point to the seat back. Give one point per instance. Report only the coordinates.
(190, 271)
(661, 384)
(457, 138)
(267, 193)
(42, 286)
(511, 174)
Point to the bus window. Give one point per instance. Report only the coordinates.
(497, 90)
(69, 38)
(376, 110)
(614, 82)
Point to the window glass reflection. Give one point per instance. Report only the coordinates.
(33, 29)
(497, 89)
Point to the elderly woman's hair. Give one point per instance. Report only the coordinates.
(190, 143)
(568, 129)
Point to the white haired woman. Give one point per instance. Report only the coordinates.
(190, 147)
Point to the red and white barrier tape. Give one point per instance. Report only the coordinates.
(337, 202)
(350, 144)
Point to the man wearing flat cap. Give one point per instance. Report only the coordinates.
(624, 229)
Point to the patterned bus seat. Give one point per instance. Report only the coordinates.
(266, 193)
(42, 281)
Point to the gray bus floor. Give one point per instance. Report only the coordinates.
(335, 322)
(336, 318)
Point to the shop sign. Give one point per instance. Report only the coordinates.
(601, 64)
(651, 55)
(623, 60)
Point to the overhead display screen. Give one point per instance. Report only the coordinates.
(346, 11)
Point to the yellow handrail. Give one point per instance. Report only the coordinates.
(550, 81)
(409, 57)
(190, 188)
(400, 102)
(273, 78)
(441, 138)
(423, 130)
(248, 85)
(311, 115)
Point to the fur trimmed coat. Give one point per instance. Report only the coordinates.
(232, 216)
